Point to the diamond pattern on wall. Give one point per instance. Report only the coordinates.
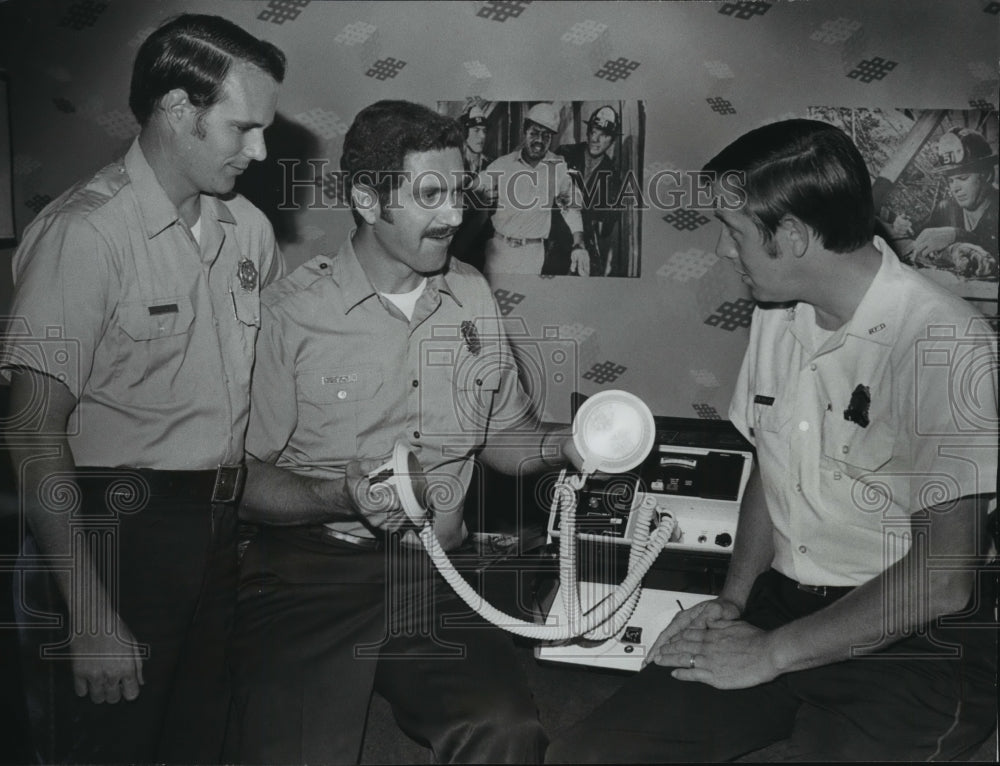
(685, 219)
(37, 202)
(719, 70)
(385, 69)
(323, 123)
(118, 123)
(333, 188)
(501, 10)
(280, 11)
(836, 32)
(721, 105)
(745, 9)
(732, 315)
(616, 70)
(690, 264)
(872, 69)
(83, 14)
(477, 69)
(355, 33)
(706, 411)
(507, 300)
(25, 165)
(705, 378)
(605, 372)
(584, 32)
(64, 105)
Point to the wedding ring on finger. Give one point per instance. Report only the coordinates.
(691, 662)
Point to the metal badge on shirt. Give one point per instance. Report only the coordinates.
(247, 273)
(471, 337)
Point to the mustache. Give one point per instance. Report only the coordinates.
(441, 232)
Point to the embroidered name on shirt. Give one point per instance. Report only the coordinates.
(767, 401)
(166, 308)
(328, 380)
(876, 328)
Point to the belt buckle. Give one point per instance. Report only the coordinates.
(228, 483)
(816, 590)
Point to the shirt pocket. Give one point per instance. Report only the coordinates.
(155, 343)
(340, 407)
(854, 450)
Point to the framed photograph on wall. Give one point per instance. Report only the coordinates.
(601, 144)
(935, 184)
(8, 237)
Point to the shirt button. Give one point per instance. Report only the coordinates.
(802, 549)
(416, 383)
(845, 449)
(479, 381)
(812, 367)
(804, 425)
(416, 434)
(798, 487)
(341, 394)
(324, 265)
(837, 475)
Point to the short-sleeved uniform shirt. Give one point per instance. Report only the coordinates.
(151, 332)
(342, 375)
(859, 429)
(526, 195)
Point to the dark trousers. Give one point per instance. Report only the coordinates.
(174, 561)
(900, 704)
(320, 624)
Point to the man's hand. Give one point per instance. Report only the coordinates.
(108, 667)
(699, 616)
(378, 503)
(579, 262)
(726, 655)
(933, 240)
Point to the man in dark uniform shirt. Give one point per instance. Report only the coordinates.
(962, 230)
(595, 173)
(476, 228)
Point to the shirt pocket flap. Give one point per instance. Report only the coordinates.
(335, 386)
(861, 450)
(159, 318)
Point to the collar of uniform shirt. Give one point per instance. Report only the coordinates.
(357, 288)
(158, 212)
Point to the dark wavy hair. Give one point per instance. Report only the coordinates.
(381, 136)
(808, 169)
(195, 52)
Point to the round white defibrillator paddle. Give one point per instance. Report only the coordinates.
(613, 431)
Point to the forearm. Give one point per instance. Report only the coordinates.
(529, 451)
(895, 604)
(753, 549)
(280, 497)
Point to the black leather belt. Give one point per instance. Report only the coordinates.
(337, 537)
(831, 592)
(223, 486)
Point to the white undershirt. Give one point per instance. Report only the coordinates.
(406, 302)
(196, 230)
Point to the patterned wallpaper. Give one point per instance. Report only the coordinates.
(705, 72)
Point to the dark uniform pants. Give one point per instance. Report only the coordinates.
(901, 704)
(174, 562)
(320, 624)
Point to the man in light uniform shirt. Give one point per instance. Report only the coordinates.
(857, 618)
(529, 183)
(136, 313)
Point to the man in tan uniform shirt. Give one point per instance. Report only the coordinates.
(137, 292)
